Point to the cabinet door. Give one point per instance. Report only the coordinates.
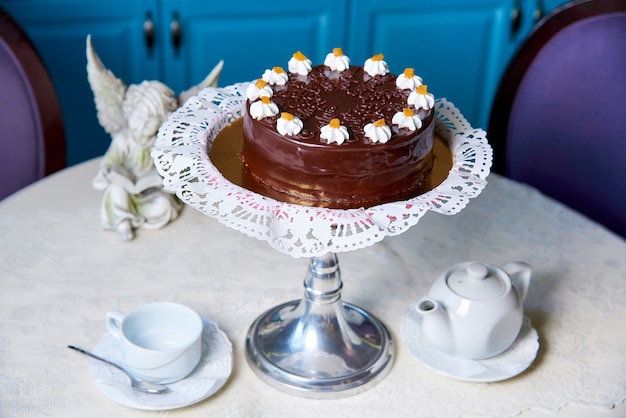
(460, 48)
(59, 30)
(249, 36)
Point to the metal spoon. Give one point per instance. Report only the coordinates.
(140, 385)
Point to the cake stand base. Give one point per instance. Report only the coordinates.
(320, 347)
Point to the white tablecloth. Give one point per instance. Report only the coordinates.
(60, 272)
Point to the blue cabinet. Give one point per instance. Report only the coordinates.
(249, 36)
(459, 47)
(175, 41)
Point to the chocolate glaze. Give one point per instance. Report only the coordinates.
(356, 173)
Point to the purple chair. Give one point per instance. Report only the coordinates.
(558, 120)
(32, 138)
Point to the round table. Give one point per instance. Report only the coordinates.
(60, 272)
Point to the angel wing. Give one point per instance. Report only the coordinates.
(209, 81)
(108, 92)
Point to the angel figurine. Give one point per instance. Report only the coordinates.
(133, 190)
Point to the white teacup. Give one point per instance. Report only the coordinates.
(160, 341)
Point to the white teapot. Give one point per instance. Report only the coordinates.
(475, 310)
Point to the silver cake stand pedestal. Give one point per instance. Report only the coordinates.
(318, 346)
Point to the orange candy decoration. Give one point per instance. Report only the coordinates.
(299, 56)
(334, 123)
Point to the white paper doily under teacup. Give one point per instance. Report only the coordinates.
(181, 155)
(207, 378)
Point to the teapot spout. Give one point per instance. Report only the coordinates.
(436, 324)
(427, 306)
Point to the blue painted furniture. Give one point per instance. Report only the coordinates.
(462, 50)
(177, 42)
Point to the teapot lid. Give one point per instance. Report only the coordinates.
(475, 281)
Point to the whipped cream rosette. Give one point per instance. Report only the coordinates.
(289, 124)
(299, 64)
(407, 119)
(263, 108)
(334, 132)
(258, 89)
(276, 76)
(337, 61)
(408, 80)
(421, 98)
(376, 65)
(378, 131)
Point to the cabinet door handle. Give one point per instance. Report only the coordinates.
(516, 19)
(538, 12)
(148, 31)
(175, 31)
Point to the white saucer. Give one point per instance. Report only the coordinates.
(207, 378)
(510, 363)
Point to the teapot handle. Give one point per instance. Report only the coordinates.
(520, 273)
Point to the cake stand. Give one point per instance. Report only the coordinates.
(319, 346)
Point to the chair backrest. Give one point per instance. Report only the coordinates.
(558, 121)
(32, 138)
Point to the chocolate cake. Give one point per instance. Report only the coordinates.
(337, 135)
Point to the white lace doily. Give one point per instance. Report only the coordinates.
(181, 155)
(207, 378)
